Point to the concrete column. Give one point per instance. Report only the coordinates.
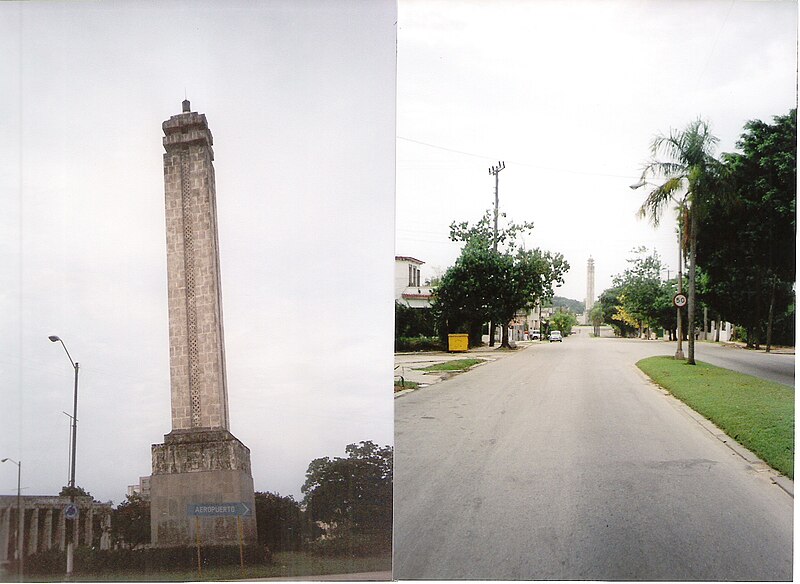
(61, 531)
(33, 533)
(89, 526)
(47, 535)
(5, 530)
(76, 532)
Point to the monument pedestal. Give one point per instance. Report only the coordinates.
(201, 467)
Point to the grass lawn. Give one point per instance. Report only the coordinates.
(455, 365)
(756, 413)
(284, 564)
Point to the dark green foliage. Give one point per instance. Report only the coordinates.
(487, 285)
(413, 322)
(130, 522)
(639, 298)
(143, 560)
(353, 495)
(278, 521)
(410, 344)
(746, 244)
(76, 491)
(609, 301)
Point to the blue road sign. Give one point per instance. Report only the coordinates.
(218, 509)
(71, 512)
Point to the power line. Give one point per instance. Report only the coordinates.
(525, 164)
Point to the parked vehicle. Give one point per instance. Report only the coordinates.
(536, 335)
(556, 336)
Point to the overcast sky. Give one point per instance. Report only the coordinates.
(570, 95)
(300, 98)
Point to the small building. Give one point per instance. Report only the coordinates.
(142, 489)
(408, 288)
(45, 524)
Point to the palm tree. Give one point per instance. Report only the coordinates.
(690, 173)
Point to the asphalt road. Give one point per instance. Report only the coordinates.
(563, 462)
(777, 367)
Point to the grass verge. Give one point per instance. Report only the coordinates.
(758, 414)
(284, 564)
(455, 365)
(400, 385)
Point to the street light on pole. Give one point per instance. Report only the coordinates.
(71, 530)
(20, 516)
(681, 206)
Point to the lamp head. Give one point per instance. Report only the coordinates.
(54, 338)
(4, 460)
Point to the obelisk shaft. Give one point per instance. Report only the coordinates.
(196, 342)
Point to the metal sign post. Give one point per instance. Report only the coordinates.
(237, 509)
(197, 539)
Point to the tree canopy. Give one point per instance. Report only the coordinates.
(484, 285)
(130, 522)
(746, 244)
(352, 495)
(279, 522)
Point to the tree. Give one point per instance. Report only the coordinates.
(130, 522)
(596, 318)
(747, 244)
(352, 495)
(563, 321)
(642, 298)
(493, 285)
(76, 491)
(691, 177)
(279, 523)
(463, 300)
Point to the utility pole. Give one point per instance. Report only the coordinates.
(495, 170)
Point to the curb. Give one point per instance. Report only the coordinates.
(785, 483)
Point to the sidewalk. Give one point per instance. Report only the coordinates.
(408, 365)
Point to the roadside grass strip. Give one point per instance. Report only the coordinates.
(455, 365)
(758, 414)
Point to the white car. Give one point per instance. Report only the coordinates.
(535, 335)
(556, 336)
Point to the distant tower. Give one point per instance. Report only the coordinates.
(200, 462)
(589, 284)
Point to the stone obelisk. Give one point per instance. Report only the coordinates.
(589, 285)
(200, 463)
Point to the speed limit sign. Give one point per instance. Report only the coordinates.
(679, 300)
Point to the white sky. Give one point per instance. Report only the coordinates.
(570, 95)
(300, 98)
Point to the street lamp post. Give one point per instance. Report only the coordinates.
(679, 331)
(71, 529)
(20, 517)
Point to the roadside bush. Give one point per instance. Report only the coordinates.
(353, 545)
(410, 344)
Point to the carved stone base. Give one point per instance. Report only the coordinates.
(194, 467)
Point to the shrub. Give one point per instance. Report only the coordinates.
(418, 344)
(353, 545)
